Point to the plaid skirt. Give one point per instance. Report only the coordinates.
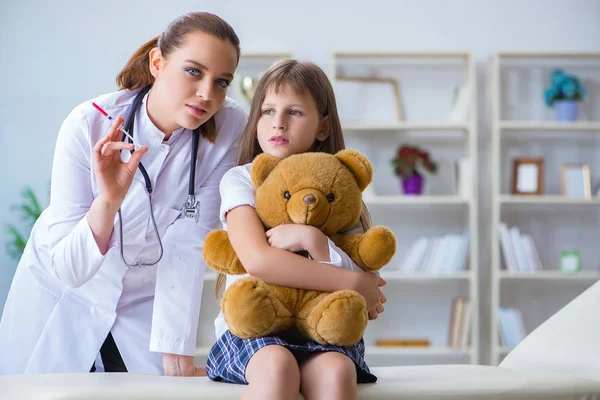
(230, 355)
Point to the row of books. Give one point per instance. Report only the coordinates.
(511, 326)
(460, 323)
(518, 250)
(437, 254)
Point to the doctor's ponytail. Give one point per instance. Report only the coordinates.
(136, 73)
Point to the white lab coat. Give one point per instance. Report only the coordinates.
(48, 326)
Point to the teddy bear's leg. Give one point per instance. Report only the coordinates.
(252, 310)
(219, 254)
(339, 318)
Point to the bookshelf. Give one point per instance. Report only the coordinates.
(523, 126)
(426, 99)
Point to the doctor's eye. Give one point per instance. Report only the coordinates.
(287, 195)
(193, 71)
(330, 197)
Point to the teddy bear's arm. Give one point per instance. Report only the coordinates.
(219, 254)
(371, 250)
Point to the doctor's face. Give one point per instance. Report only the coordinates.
(192, 81)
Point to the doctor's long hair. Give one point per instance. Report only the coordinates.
(301, 78)
(136, 73)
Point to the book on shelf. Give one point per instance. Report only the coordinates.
(409, 342)
(460, 323)
(437, 254)
(518, 250)
(511, 326)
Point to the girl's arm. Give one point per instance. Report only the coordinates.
(285, 268)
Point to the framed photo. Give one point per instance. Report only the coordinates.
(575, 181)
(528, 176)
(569, 261)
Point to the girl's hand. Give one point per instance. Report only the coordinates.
(378, 309)
(114, 176)
(297, 237)
(367, 285)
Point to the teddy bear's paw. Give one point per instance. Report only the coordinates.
(252, 310)
(219, 254)
(339, 319)
(377, 247)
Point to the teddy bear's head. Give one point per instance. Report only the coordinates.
(319, 189)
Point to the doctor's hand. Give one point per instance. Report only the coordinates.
(114, 176)
(179, 365)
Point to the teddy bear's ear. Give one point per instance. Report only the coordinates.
(262, 166)
(358, 164)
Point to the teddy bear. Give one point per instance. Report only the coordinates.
(319, 189)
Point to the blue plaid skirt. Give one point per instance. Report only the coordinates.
(230, 355)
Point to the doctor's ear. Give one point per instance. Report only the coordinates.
(156, 61)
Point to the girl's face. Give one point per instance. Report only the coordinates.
(191, 84)
(289, 123)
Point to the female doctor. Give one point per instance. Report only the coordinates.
(111, 277)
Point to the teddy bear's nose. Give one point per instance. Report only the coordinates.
(310, 199)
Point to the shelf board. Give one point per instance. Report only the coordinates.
(424, 276)
(550, 275)
(504, 350)
(547, 200)
(547, 54)
(415, 200)
(415, 351)
(404, 126)
(405, 54)
(554, 126)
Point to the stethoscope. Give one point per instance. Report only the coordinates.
(190, 208)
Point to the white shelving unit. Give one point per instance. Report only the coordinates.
(522, 126)
(251, 65)
(419, 304)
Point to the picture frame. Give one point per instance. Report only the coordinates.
(575, 180)
(528, 176)
(369, 85)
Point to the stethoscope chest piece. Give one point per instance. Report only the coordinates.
(191, 209)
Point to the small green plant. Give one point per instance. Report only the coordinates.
(563, 87)
(30, 211)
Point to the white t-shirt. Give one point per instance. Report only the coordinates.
(236, 190)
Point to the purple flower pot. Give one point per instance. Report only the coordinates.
(566, 110)
(413, 185)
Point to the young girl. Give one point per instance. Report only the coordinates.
(293, 111)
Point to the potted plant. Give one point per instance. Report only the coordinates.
(30, 211)
(564, 94)
(406, 162)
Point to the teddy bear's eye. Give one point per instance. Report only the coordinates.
(330, 197)
(287, 195)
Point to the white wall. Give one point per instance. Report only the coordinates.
(60, 53)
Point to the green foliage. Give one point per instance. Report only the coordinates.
(29, 209)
